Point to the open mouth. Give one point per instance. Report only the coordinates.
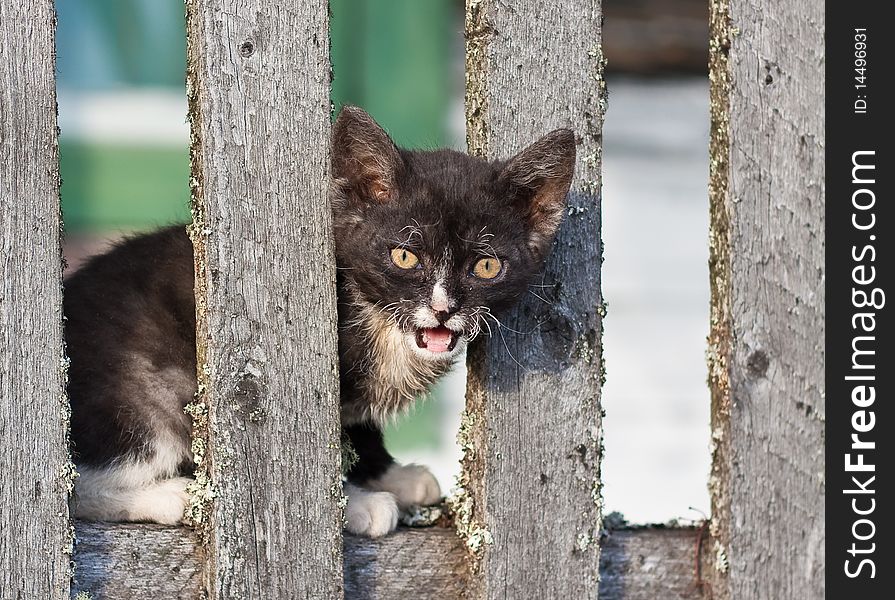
(436, 339)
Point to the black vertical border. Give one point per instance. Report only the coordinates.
(848, 130)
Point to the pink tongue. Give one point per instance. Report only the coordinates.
(437, 339)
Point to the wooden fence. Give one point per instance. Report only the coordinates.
(528, 519)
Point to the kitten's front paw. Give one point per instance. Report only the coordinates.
(412, 485)
(163, 503)
(372, 514)
(96, 498)
(173, 502)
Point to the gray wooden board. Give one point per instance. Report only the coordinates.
(531, 436)
(267, 423)
(129, 560)
(654, 563)
(126, 561)
(767, 273)
(34, 530)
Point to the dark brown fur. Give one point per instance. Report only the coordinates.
(130, 320)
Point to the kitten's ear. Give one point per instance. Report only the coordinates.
(364, 158)
(541, 175)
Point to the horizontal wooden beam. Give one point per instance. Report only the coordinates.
(127, 560)
(136, 561)
(654, 562)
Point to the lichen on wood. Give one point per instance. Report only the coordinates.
(766, 257)
(529, 503)
(718, 352)
(266, 423)
(478, 32)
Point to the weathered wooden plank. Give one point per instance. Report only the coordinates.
(766, 353)
(531, 435)
(35, 542)
(412, 563)
(119, 562)
(267, 423)
(129, 560)
(647, 563)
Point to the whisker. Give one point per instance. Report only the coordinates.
(501, 325)
(481, 320)
(488, 325)
(544, 300)
(388, 307)
(414, 231)
(505, 345)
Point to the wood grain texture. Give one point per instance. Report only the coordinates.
(121, 562)
(35, 542)
(531, 435)
(766, 353)
(129, 560)
(649, 563)
(267, 422)
(413, 563)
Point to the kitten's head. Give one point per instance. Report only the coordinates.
(433, 244)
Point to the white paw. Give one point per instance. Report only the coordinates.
(163, 503)
(372, 514)
(108, 495)
(412, 485)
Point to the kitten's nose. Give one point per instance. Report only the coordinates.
(441, 303)
(444, 315)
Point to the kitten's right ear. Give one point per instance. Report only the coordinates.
(541, 175)
(364, 157)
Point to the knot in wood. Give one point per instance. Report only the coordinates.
(758, 364)
(249, 395)
(247, 48)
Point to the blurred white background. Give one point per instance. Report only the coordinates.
(655, 278)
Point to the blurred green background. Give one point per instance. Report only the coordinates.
(124, 140)
(392, 57)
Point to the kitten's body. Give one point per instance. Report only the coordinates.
(131, 337)
(131, 317)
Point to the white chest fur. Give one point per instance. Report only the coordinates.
(392, 375)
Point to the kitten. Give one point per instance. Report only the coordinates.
(428, 245)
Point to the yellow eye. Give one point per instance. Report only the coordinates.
(404, 258)
(487, 268)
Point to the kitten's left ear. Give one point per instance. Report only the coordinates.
(542, 174)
